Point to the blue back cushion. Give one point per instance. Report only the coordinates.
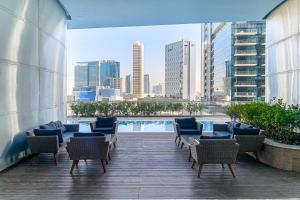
(233, 125)
(48, 132)
(215, 137)
(50, 126)
(105, 122)
(87, 134)
(46, 126)
(187, 123)
(60, 125)
(246, 131)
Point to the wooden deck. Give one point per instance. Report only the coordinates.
(145, 165)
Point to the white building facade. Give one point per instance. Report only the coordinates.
(180, 66)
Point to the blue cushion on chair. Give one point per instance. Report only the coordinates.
(222, 133)
(105, 122)
(87, 134)
(190, 132)
(107, 130)
(60, 125)
(233, 125)
(214, 137)
(187, 123)
(246, 131)
(46, 126)
(48, 132)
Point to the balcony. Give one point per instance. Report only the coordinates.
(245, 94)
(245, 53)
(246, 42)
(245, 84)
(242, 33)
(245, 73)
(245, 63)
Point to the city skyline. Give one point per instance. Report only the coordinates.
(112, 46)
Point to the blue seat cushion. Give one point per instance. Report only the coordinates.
(246, 131)
(47, 132)
(190, 132)
(107, 130)
(203, 137)
(222, 133)
(87, 134)
(187, 123)
(105, 121)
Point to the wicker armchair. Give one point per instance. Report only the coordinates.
(43, 144)
(186, 126)
(87, 148)
(215, 151)
(250, 143)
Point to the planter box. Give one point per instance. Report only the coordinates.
(281, 156)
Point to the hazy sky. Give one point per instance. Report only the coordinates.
(116, 44)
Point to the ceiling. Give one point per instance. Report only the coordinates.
(120, 13)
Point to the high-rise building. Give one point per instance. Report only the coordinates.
(221, 62)
(147, 84)
(157, 89)
(128, 84)
(206, 77)
(180, 64)
(248, 61)
(138, 70)
(235, 65)
(86, 74)
(110, 74)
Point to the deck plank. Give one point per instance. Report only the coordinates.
(145, 165)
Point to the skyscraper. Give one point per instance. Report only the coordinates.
(248, 61)
(180, 64)
(138, 70)
(157, 89)
(206, 77)
(147, 84)
(110, 74)
(128, 84)
(87, 74)
(220, 63)
(234, 61)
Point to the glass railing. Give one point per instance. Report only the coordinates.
(246, 41)
(244, 94)
(246, 33)
(246, 83)
(245, 73)
(246, 52)
(245, 62)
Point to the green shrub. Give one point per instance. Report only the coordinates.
(277, 119)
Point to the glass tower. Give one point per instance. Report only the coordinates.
(248, 61)
(87, 74)
(233, 62)
(110, 74)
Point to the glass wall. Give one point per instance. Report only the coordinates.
(221, 40)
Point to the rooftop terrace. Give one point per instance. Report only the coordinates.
(145, 165)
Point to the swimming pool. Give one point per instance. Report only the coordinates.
(138, 125)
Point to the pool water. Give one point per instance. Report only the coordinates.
(147, 126)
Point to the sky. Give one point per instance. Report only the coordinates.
(116, 44)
